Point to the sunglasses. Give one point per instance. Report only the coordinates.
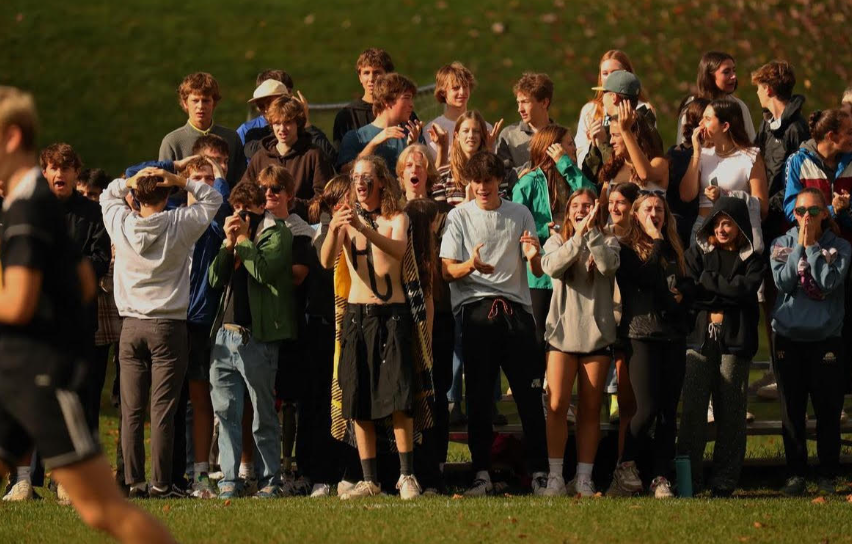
(274, 188)
(657, 192)
(812, 210)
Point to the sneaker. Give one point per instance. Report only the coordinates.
(625, 480)
(539, 482)
(768, 391)
(794, 487)
(228, 491)
(362, 489)
(249, 485)
(409, 487)
(169, 492)
(62, 496)
(302, 487)
(825, 487)
(345, 486)
(138, 491)
(710, 417)
(661, 488)
(457, 417)
(572, 414)
(584, 487)
(320, 490)
(21, 491)
(749, 417)
(268, 492)
(480, 488)
(202, 488)
(555, 487)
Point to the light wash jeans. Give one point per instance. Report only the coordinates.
(235, 369)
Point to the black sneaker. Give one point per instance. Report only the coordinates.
(137, 492)
(171, 492)
(794, 487)
(825, 487)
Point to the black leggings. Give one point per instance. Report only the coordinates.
(656, 373)
(540, 308)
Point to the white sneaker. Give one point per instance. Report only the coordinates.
(202, 489)
(362, 489)
(661, 488)
(539, 482)
(584, 487)
(710, 417)
(749, 417)
(481, 486)
(21, 491)
(555, 486)
(345, 486)
(625, 480)
(409, 487)
(62, 496)
(320, 490)
(768, 391)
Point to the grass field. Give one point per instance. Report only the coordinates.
(105, 73)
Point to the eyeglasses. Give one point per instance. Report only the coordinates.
(364, 178)
(812, 210)
(274, 188)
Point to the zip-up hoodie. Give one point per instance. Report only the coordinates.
(581, 317)
(152, 254)
(805, 168)
(777, 144)
(733, 292)
(810, 305)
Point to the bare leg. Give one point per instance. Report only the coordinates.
(403, 431)
(365, 436)
(98, 500)
(561, 371)
(626, 398)
(202, 419)
(592, 379)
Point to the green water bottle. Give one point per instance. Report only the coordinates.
(683, 469)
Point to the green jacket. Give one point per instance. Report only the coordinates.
(531, 191)
(269, 263)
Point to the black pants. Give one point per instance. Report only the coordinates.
(541, 307)
(815, 369)
(656, 373)
(500, 334)
(93, 384)
(315, 447)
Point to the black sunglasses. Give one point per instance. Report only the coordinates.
(645, 192)
(812, 210)
(274, 188)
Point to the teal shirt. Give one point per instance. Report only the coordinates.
(531, 191)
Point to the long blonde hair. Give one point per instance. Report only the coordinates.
(431, 171)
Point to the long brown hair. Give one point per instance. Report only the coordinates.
(421, 213)
(622, 58)
(648, 142)
(390, 197)
(728, 111)
(457, 157)
(543, 139)
(568, 226)
(336, 190)
(642, 244)
(706, 80)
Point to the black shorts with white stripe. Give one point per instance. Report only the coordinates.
(38, 405)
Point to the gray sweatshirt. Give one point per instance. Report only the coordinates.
(152, 254)
(581, 318)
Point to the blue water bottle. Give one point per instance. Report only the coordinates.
(683, 469)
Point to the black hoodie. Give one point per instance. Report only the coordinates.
(721, 287)
(776, 145)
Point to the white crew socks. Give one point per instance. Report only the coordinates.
(556, 464)
(24, 474)
(584, 471)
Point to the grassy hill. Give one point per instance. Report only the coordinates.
(105, 73)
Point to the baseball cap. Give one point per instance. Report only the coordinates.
(621, 82)
(270, 87)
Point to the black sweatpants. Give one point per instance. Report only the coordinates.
(541, 307)
(499, 334)
(815, 369)
(656, 373)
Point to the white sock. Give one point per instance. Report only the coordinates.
(24, 474)
(483, 475)
(246, 470)
(584, 471)
(556, 464)
(201, 468)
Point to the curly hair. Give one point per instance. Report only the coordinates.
(201, 83)
(60, 155)
(390, 195)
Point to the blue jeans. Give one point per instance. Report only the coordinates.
(235, 369)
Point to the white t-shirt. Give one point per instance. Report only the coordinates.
(732, 172)
(449, 126)
(500, 230)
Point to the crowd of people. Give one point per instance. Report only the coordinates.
(305, 313)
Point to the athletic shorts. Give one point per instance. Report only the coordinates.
(198, 368)
(376, 370)
(39, 406)
(605, 351)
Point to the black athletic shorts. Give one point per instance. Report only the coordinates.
(199, 344)
(605, 351)
(376, 371)
(39, 406)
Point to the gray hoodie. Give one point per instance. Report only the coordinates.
(152, 254)
(581, 317)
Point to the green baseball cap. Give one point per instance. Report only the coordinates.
(621, 82)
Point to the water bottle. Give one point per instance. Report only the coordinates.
(683, 469)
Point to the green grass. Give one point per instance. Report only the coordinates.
(105, 73)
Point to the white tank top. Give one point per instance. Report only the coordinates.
(732, 172)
